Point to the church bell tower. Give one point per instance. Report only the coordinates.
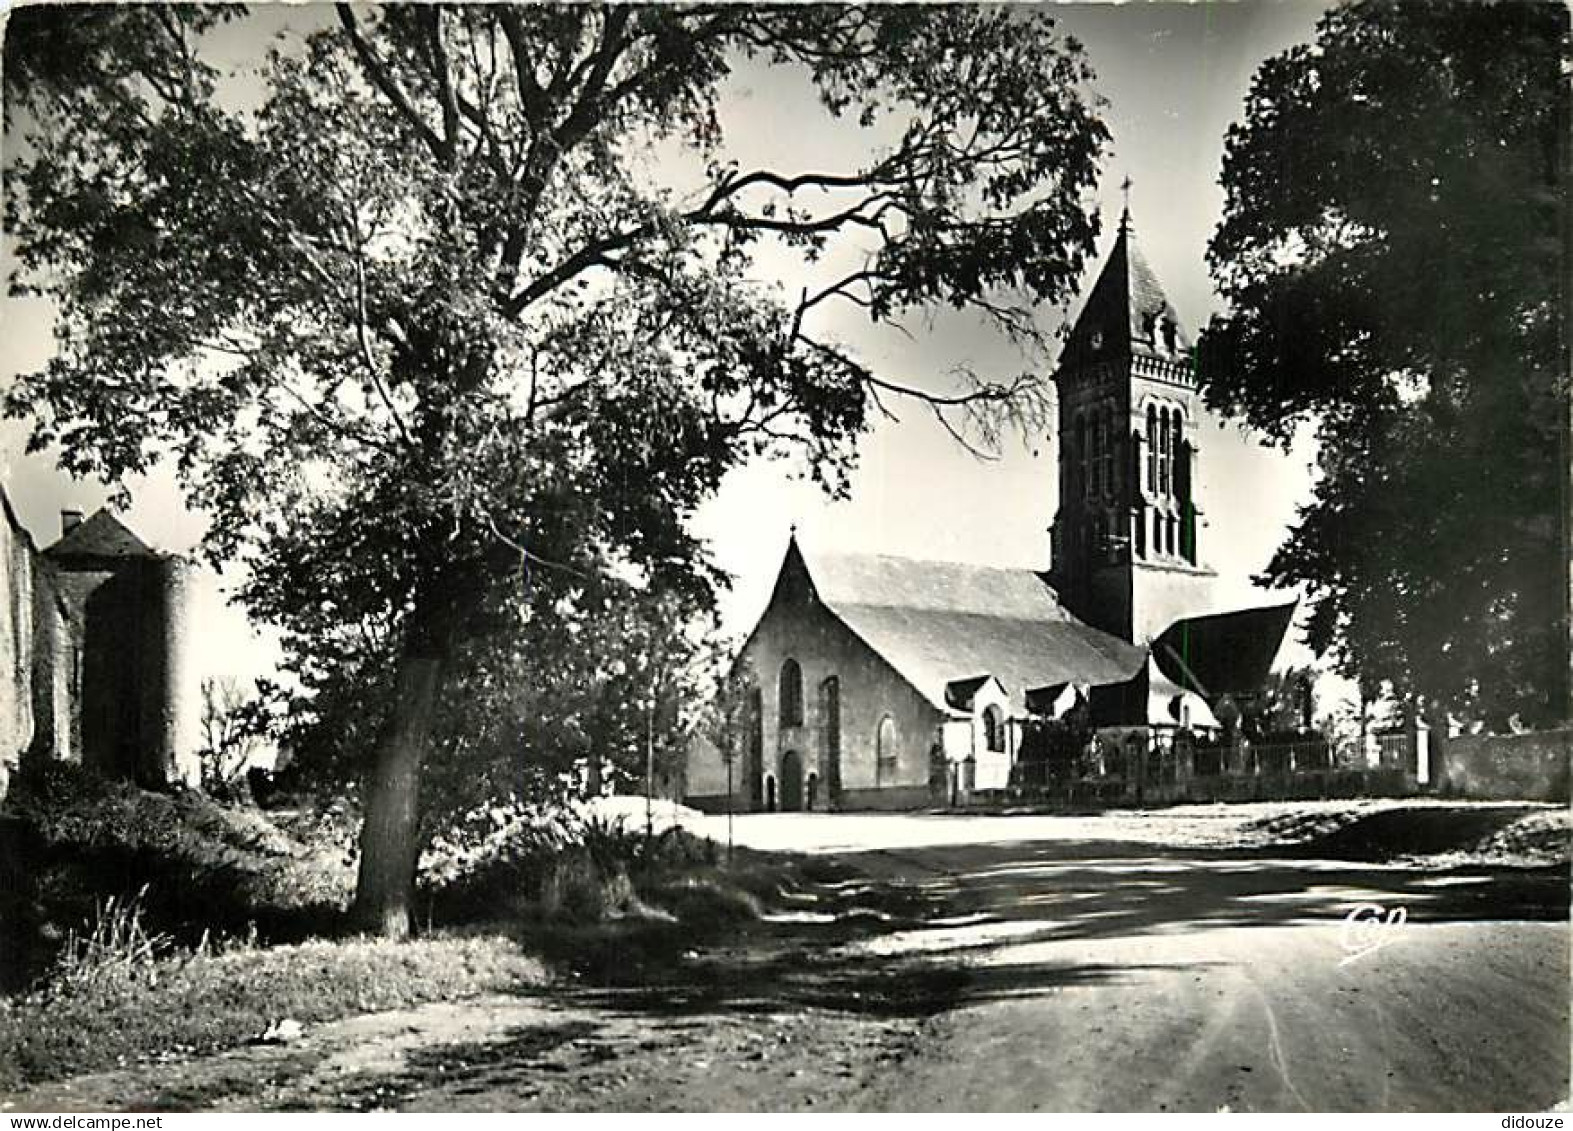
(1127, 551)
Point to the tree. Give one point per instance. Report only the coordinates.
(237, 729)
(525, 717)
(1393, 259)
(470, 309)
(1285, 704)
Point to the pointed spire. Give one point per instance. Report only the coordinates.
(1126, 311)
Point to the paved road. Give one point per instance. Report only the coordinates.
(1103, 963)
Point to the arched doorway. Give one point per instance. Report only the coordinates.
(811, 794)
(791, 782)
(770, 793)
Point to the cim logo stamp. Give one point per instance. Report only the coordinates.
(1368, 928)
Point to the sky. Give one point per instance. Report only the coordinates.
(1174, 77)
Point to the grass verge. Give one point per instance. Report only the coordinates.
(195, 1004)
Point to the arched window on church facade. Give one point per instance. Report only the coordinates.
(993, 729)
(1157, 532)
(885, 750)
(1152, 449)
(1163, 451)
(790, 694)
(1100, 436)
(1110, 434)
(1176, 448)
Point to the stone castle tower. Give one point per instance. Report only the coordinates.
(135, 689)
(1127, 551)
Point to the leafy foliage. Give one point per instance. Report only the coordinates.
(1055, 750)
(1285, 704)
(525, 718)
(1391, 257)
(458, 322)
(181, 864)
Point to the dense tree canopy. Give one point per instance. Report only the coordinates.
(1392, 253)
(467, 307)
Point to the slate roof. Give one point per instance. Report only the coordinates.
(1224, 653)
(962, 693)
(1126, 290)
(101, 536)
(939, 622)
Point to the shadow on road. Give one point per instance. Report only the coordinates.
(893, 938)
(888, 936)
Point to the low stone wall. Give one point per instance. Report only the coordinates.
(1100, 793)
(890, 797)
(715, 802)
(1508, 767)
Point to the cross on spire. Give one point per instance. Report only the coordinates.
(1125, 212)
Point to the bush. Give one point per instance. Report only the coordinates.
(502, 858)
(73, 839)
(576, 889)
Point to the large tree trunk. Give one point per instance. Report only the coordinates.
(390, 838)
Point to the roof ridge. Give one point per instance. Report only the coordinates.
(101, 535)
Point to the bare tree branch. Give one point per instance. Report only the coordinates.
(377, 72)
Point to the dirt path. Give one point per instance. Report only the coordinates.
(1457, 1017)
(1072, 973)
(504, 1054)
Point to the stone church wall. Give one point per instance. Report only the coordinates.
(1164, 595)
(870, 691)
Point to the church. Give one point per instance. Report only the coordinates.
(875, 682)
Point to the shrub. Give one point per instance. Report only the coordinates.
(571, 865)
(191, 865)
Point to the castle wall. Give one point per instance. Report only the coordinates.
(16, 645)
(96, 662)
(139, 713)
(106, 620)
(167, 680)
(37, 655)
(56, 674)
